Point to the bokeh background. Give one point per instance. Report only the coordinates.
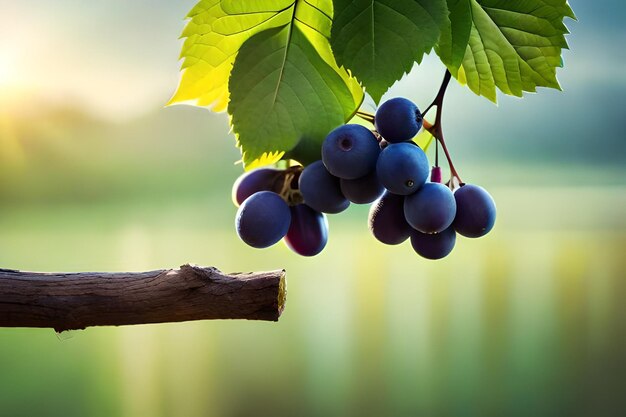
(95, 174)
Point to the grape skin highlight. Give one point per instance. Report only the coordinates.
(402, 168)
(386, 220)
(321, 190)
(362, 190)
(350, 151)
(398, 120)
(263, 219)
(262, 179)
(433, 246)
(476, 211)
(431, 209)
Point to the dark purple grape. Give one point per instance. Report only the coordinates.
(434, 246)
(402, 168)
(475, 211)
(263, 219)
(431, 209)
(262, 179)
(308, 233)
(386, 220)
(350, 151)
(321, 190)
(398, 120)
(362, 190)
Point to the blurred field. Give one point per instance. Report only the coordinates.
(526, 322)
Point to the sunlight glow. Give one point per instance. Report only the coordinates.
(10, 80)
(8, 75)
(14, 89)
(11, 152)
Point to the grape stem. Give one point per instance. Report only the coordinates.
(289, 190)
(368, 117)
(436, 128)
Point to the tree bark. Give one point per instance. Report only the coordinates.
(70, 301)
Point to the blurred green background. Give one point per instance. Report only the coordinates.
(96, 175)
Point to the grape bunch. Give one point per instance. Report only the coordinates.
(384, 167)
(271, 209)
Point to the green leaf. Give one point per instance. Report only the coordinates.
(455, 34)
(310, 93)
(380, 40)
(286, 89)
(514, 46)
(215, 32)
(424, 139)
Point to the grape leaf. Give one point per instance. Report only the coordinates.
(424, 139)
(514, 46)
(455, 34)
(215, 32)
(380, 40)
(286, 90)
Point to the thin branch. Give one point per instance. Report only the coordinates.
(70, 301)
(368, 117)
(436, 128)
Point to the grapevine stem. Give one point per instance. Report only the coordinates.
(366, 116)
(436, 128)
(437, 153)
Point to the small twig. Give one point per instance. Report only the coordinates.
(368, 117)
(436, 128)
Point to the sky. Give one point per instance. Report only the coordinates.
(119, 60)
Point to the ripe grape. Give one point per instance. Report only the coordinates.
(431, 209)
(350, 151)
(362, 190)
(321, 190)
(476, 211)
(263, 219)
(402, 168)
(262, 179)
(398, 120)
(386, 220)
(308, 233)
(433, 246)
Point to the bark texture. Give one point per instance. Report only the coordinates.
(70, 301)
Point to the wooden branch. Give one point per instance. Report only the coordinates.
(70, 301)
